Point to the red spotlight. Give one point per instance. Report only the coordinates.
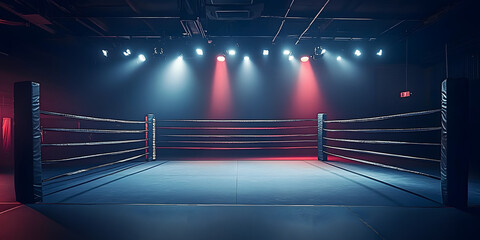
(304, 59)
(221, 58)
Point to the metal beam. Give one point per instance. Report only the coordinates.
(313, 20)
(283, 21)
(11, 10)
(390, 28)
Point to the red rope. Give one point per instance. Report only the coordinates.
(234, 148)
(235, 128)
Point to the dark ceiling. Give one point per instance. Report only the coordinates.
(338, 20)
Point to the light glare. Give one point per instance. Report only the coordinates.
(304, 59)
(290, 58)
(142, 58)
(286, 52)
(105, 53)
(231, 52)
(221, 58)
(339, 58)
(127, 52)
(199, 51)
(265, 52)
(358, 53)
(246, 58)
(380, 52)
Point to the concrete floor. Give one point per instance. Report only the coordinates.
(241, 200)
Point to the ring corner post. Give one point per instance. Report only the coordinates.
(150, 127)
(27, 143)
(321, 117)
(454, 156)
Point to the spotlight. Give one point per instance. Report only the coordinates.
(246, 58)
(286, 52)
(157, 51)
(199, 51)
(265, 52)
(105, 52)
(231, 52)
(180, 57)
(357, 53)
(221, 58)
(339, 58)
(318, 51)
(304, 59)
(142, 58)
(290, 58)
(380, 52)
(127, 52)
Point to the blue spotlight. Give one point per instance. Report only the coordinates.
(339, 58)
(246, 58)
(380, 52)
(232, 52)
(323, 51)
(180, 57)
(265, 52)
(290, 58)
(286, 52)
(357, 53)
(199, 51)
(127, 52)
(142, 58)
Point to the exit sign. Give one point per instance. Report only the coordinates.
(405, 94)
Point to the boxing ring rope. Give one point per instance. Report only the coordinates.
(379, 130)
(92, 168)
(237, 128)
(92, 155)
(238, 135)
(386, 117)
(386, 130)
(239, 120)
(453, 165)
(381, 142)
(89, 118)
(324, 149)
(93, 143)
(76, 130)
(270, 134)
(383, 165)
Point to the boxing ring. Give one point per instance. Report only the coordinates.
(105, 160)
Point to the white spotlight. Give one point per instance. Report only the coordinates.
(339, 58)
(265, 52)
(246, 58)
(199, 51)
(180, 57)
(380, 52)
(358, 53)
(142, 58)
(231, 52)
(286, 52)
(290, 58)
(127, 52)
(105, 52)
(323, 51)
